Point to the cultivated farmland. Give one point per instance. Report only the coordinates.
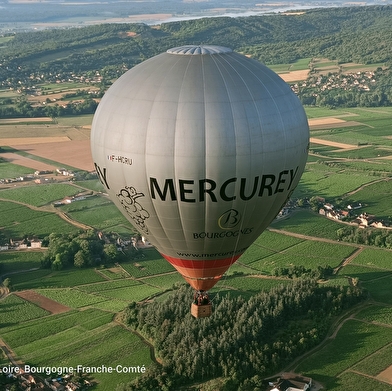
(94, 296)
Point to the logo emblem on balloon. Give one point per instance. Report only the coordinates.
(229, 219)
(134, 209)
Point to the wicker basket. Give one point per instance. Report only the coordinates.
(201, 311)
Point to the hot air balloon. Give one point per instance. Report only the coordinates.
(200, 147)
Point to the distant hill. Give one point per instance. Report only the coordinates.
(345, 35)
(359, 34)
(36, 14)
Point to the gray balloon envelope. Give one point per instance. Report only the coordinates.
(200, 147)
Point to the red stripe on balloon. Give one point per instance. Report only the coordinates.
(201, 264)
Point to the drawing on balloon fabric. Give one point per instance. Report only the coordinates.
(127, 197)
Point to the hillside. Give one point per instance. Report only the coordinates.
(360, 34)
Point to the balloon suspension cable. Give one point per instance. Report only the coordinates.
(201, 298)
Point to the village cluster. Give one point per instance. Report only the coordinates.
(29, 382)
(38, 176)
(347, 81)
(363, 220)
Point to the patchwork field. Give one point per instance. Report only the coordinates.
(19, 160)
(349, 160)
(292, 76)
(47, 304)
(75, 153)
(46, 147)
(88, 338)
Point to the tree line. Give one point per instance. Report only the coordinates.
(23, 108)
(243, 341)
(370, 237)
(81, 249)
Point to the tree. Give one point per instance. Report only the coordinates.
(57, 264)
(81, 259)
(110, 253)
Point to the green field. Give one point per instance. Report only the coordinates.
(38, 195)
(309, 254)
(354, 342)
(19, 220)
(376, 198)
(375, 258)
(87, 338)
(46, 278)
(97, 212)
(12, 261)
(10, 170)
(15, 310)
(380, 289)
(308, 223)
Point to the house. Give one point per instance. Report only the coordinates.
(365, 219)
(25, 243)
(292, 382)
(42, 172)
(56, 386)
(35, 243)
(71, 386)
(378, 224)
(357, 205)
(65, 172)
(333, 214)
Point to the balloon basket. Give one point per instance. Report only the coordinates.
(201, 311)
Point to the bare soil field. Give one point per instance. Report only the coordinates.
(325, 121)
(295, 75)
(26, 162)
(330, 122)
(51, 132)
(47, 304)
(74, 153)
(386, 375)
(15, 142)
(18, 120)
(332, 143)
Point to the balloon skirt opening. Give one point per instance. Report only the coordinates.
(201, 274)
(202, 284)
(201, 311)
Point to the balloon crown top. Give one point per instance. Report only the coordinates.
(199, 49)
